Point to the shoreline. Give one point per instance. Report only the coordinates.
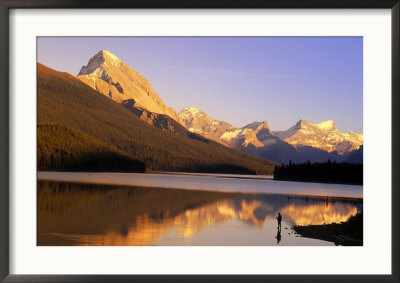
(215, 175)
(348, 233)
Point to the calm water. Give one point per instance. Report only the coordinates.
(94, 214)
(208, 182)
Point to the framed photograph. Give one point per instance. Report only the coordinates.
(201, 141)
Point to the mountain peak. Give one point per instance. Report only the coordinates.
(107, 74)
(265, 123)
(188, 114)
(301, 123)
(201, 123)
(326, 125)
(323, 135)
(257, 125)
(192, 110)
(107, 54)
(97, 60)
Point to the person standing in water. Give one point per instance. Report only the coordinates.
(279, 218)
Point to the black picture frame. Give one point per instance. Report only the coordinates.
(7, 5)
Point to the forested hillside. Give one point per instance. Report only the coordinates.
(63, 99)
(62, 148)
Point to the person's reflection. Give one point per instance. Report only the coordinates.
(278, 236)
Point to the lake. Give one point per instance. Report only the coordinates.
(123, 209)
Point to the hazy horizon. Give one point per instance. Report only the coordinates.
(237, 79)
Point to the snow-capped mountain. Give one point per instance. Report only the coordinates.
(324, 136)
(258, 134)
(302, 142)
(115, 79)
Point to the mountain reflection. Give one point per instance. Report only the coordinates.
(317, 214)
(77, 214)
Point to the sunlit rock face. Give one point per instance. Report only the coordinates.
(199, 122)
(257, 134)
(324, 136)
(303, 142)
(115, 79)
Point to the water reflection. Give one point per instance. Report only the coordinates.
(278, 235)
(77, 214)
(320, 213)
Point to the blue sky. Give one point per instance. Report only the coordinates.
(237, 79)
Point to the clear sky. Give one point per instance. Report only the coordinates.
(237, 79)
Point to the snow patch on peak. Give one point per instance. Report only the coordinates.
(189, 113)
(191, 110)
(97, 60)
(108, 55)
(228, 136)
(326, 125)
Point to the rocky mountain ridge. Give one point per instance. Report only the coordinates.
(199, 122)
(324, 135)
(115, 79)
(320, 141)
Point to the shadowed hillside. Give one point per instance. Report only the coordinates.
(65, 100)
(356, 156)
(160, 121)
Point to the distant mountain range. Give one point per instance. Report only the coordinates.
(302, 142)
(107, 75)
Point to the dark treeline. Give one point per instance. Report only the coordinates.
(63, 148)
(325, 172)
(62, 99)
